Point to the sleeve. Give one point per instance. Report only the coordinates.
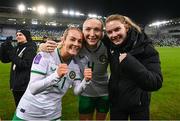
(79, 86)
(148, 76)
(25, 61)
(39, 80)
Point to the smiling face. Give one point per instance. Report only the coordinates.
(20, 37)
(116, 31)
(92, 30)
(72, 42)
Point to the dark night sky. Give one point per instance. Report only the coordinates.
(141, 11)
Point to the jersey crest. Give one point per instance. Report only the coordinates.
(72, 75)
(103, 59)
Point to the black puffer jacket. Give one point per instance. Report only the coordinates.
(21, 63)
(133, 79)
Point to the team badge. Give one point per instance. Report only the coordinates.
(72, 75)
(103, 59)
(37, 59)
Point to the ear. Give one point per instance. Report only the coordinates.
(61, 42)
(127, 27)
(61, 38)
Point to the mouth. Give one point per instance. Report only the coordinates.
(117, 40)
(75, 49)
(92, 40)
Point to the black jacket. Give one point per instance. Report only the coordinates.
(21, 63)
(133, 79)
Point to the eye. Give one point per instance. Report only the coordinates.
(72, 39)
(97, 30)
(108, 32)
(80, 41)
(87, 29)
(117, 29)
(18, 35)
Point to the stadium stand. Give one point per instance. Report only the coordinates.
(167, 34)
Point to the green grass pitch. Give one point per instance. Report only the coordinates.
(165, 103)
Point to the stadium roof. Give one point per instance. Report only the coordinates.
(142, 11)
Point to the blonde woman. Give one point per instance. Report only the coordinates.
(51, 76)
(135, 69)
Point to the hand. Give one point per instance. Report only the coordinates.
(49, 46)
(7, 45)
(88, 74)
(60, 44)
(122, 56)
(62, 70)
(8, 49)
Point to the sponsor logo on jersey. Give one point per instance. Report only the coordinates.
(37, 59)
(22, 110)
(103, 59)
(53, 69)
(72, 74)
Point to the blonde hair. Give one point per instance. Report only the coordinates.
(124, 20)
(71, 28)
(66, 33)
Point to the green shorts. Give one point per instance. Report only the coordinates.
(15, 118)
(90, 104)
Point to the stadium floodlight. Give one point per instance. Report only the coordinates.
(82, 14)
(99, 17)
(92, 15)
(51, 10)
(29, 9)
(158, 23)
(65, 12)
(77, 13)
(34, 8)
(21, 7)
(41, 9)
(71, 12)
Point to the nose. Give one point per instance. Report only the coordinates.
(17, 37)
(114, 34)
(76, 43)
(92, 33)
